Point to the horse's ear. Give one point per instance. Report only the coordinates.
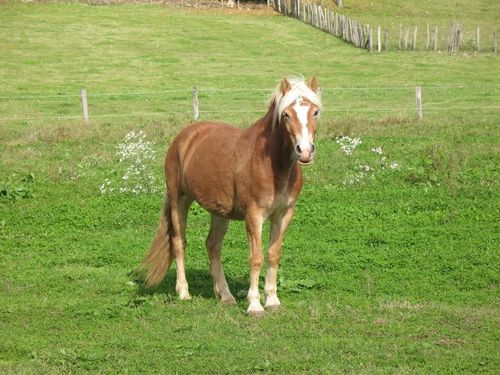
(313, 84)
(285, 86)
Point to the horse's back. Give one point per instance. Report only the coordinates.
(204, 140)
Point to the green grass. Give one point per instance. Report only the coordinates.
(469, 14)
(474, 12)
(119, 52)
(397, 273)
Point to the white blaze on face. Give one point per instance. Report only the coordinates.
(302, 112)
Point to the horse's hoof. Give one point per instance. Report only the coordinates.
(185, 297)
(272, 308)
(228, 301)
(256, 313)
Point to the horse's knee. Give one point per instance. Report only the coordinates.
(256, 260)
(274, 259)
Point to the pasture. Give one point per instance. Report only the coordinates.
(390, 265)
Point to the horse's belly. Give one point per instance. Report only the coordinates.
(209, 176)
(218, 202)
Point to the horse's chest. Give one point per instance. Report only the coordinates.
(280, 199)
(282, 202)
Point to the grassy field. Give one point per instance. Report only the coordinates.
(390, 266)
(469, 14)
(472, 12)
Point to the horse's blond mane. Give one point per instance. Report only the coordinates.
(298, 88)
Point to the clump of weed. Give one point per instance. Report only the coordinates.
(136, 157)
(333, 128)
(372, 164)
(17, 187)
(437, 164)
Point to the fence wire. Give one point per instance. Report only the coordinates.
(369, 99)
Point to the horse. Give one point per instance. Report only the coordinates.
(250, 174)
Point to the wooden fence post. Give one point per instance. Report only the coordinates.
(447, 45)
(418, 96)
(400, 36)
(85, 108)
(196, 113)
(407, 34)
(385, 39)
(436, 38)
(477, 40)
(379, 40)
(415, 38)
(370, 38)
(494, 41)
(428, 38)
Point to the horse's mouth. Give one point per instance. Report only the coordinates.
(306, 163)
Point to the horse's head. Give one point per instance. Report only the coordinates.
(297, 107)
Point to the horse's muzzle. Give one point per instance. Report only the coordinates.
(305, 155)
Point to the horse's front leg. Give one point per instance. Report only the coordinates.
(254, 223)
(279, 223)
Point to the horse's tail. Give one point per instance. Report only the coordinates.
(160, 255)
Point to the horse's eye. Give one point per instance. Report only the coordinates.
(316, 113)
(285, 115)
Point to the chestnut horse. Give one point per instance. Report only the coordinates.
(237, 174)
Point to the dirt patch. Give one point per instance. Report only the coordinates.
(218, 4)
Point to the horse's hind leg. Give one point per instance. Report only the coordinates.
(180, 208)
(218, 228)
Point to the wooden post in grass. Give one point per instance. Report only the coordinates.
(415, 38)
(379, 40)
(418, 96)
(436, 38)
(494, 41)
(85, 108)
(407, 34)
(385, 39)
(196, 113)
(447, 44)
(371, 38)
(428, 38)
(477, 40)
(400, 36)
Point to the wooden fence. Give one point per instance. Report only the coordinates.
(196, 111)
(374, 38)
(404, 100)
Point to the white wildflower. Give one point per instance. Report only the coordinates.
(135, 156)
(348, 144)
(365, 168)
(377, 150)
(394, 165)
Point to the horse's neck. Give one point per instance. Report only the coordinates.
(275, 142)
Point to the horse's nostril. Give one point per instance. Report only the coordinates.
(298, 149)
(313, 148)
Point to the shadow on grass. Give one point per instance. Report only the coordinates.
(200, 284)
